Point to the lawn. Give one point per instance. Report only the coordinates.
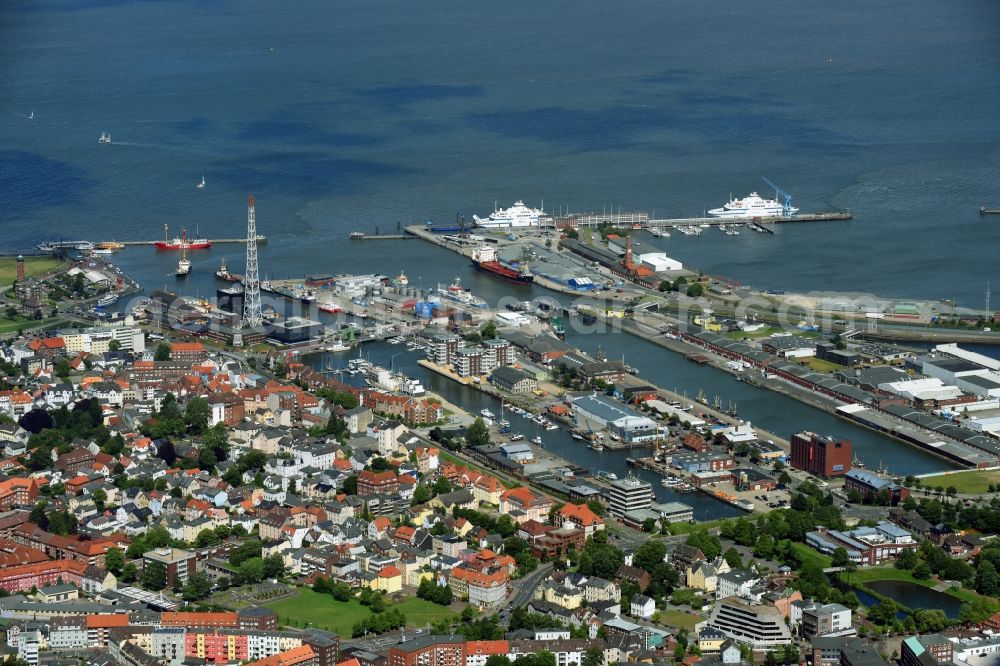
(17, 323)
(762, 333)
(807, 554)
(971, 482)
(325, 612)
(679, 619)
(819, 365)
(32, 266)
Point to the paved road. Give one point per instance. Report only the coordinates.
(524, 589)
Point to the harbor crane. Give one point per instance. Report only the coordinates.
(784, 197)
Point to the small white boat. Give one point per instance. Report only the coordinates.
(107, 299)
(596, 446)
(339, 346)
(32, 116)
(486, 413)
(516, 437)
(552, 426)
(577, 436)
(201, 185)
(611, 476)
(105, 137)
(536, 440)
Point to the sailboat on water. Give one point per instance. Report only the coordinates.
(201, 185)
(32, 116)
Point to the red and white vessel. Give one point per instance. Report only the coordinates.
(182, 243)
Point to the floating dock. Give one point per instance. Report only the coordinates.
(360, 235)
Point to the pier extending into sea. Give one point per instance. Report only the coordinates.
(213, 241)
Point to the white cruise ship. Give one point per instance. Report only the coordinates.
(753, 205)
(517, 215)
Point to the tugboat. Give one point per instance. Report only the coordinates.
(224, 274)
(184, 265)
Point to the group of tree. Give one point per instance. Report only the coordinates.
(54, 430)
(343, 399)
(53, 520)
(251, 461)
(340, 591)
(520, 550)
(379, 623)
(439, 594)
(600, 558)
(473, 628)
(504, 525)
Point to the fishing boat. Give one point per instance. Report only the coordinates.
(330, 309)
(105, 137)
(201, 185)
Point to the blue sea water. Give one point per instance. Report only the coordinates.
(361, 113)
(351, 114)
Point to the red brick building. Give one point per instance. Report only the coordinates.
(429, 651)
(378, 483)
(188, 352)
(822, 456)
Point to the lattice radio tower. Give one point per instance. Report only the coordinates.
(252, 315)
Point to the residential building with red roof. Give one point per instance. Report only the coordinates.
(524, 504)
(581, 517)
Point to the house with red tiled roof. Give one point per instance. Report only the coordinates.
(389, 580)
(48, 347)
(524, 504)
(378, 527)
(580, 516)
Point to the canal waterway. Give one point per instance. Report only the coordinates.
(911, 595)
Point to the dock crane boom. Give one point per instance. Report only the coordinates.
(781, 195)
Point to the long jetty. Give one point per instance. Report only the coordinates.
(213, 241)
(834, 216)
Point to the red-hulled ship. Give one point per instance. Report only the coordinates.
(182, 243)
(485, 259)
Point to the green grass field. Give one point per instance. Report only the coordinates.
(971, 482)
(32, 266)
(820, 365)
(807, 554)
(679, 619)
(325, 612)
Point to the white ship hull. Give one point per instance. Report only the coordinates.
(517, 215)
(752, 205)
